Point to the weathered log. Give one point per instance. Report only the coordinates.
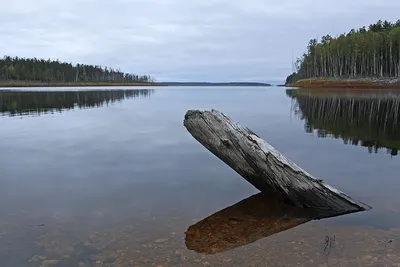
(245, 222)
(263, 166)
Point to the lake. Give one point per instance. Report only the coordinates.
(111, 177)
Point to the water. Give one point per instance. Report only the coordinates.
(110, 177)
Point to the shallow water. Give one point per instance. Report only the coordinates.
(110, 177)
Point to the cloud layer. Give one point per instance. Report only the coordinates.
(213, 40)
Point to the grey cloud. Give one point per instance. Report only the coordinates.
(214, 40)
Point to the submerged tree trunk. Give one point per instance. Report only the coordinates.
(263, 166)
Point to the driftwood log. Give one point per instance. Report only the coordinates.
(245, 222)
(263, 166)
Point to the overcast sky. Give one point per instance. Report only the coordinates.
(185, 40)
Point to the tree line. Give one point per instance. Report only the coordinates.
(40, 70)
(372, 52)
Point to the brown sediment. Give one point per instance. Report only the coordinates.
(6, 84)
(343, 84)
(302, 246)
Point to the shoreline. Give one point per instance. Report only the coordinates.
(17, 84)
(347, 83)
(5, 84)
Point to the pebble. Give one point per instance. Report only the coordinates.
(110, 260)
(178, 252)
(161, 240)
(46, 263)
(366, 258)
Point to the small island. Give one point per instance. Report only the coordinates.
(33, 72)
(363, 58)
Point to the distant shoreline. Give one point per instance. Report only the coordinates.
(364, 83)
(255, 84)
(16, 84)
(12, 84)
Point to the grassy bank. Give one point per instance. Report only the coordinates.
(347, 83)
(8, 84)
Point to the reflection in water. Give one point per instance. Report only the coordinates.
(247, 221)
(18, 103)
(368, 118)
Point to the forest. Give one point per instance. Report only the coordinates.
(372, 52)
(40, 70)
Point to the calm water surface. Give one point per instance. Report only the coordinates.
(110, 177)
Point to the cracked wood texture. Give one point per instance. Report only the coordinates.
(263, 166)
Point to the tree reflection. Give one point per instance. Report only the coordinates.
(21, 103)
(366, 118)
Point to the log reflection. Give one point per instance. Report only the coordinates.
(367, 118)
(247, 221)
(35, 103)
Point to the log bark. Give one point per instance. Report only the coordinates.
(263, 166)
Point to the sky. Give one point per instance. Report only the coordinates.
(182, 40)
